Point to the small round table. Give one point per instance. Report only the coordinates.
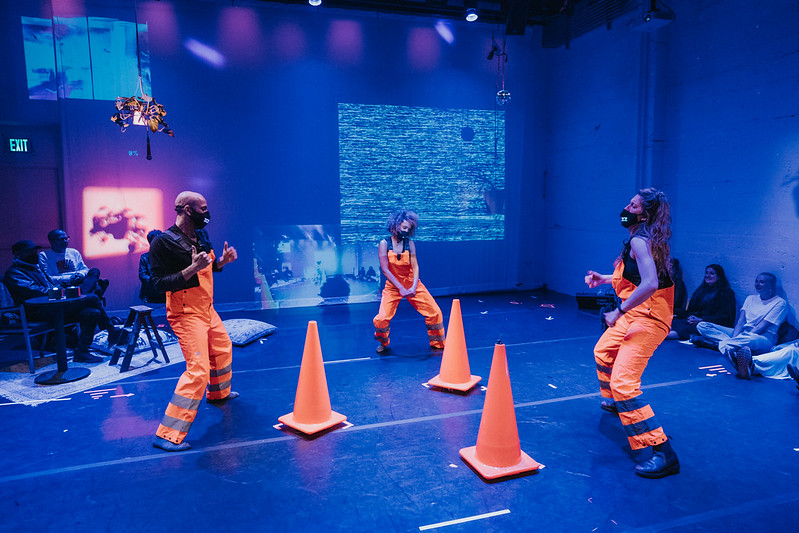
(62, 374)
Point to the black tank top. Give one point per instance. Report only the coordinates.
(632, 274)
(390, 244)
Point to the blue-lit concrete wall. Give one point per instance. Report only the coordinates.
(723, 141)
(257, 131)
(704, 108)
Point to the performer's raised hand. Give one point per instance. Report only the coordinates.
(199, 260)
(594, 279)
(229, 255)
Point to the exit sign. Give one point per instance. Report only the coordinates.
(19, 145)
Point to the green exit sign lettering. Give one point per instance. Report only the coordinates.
(19, 145)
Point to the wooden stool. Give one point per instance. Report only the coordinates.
(138, 317)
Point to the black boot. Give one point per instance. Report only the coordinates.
(663, 463)
(609, 406)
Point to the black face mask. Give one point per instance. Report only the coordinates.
(629, 219)
(199, 219)
(404, 234)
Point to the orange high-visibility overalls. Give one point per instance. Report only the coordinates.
(207, 349)
(422, 302)
(623, 352)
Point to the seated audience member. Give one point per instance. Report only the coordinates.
(25, 280)
(680, 293)
(66, 268)
(776, 364)
(755, 331)
(148, 293)
(713, 301)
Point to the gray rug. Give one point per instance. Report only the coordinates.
(19, 387)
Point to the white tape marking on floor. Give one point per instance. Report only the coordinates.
(462, 520)
(346, 360)
(36, 402)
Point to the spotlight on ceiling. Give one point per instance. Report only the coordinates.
(471, 10)
(315, 3)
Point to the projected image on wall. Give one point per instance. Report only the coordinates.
(299, 266)
(96, 58)
(116, 220)
(448, 165)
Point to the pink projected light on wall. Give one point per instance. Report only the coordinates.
(345, 42)
(239, 33)
(116, 220)
(424, 49)
(162, 24)
(68, 8)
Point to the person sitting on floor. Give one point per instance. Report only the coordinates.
(713, 301)
(66, 268)
(755, 331)
(148, 293)
(776, 364)
(25, 280)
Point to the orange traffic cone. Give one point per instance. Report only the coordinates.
(498, 453)
(312, 412)
(455, 373)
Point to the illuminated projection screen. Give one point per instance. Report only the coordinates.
(116, 220)
(96, 57)
(448, 165)
(300, 266)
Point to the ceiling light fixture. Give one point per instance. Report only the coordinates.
(471, 10)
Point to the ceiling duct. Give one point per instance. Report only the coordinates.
(517, 17)
(514, 15)
(561, 29)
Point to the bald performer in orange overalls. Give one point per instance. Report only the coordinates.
(183, 263)
(398, 262)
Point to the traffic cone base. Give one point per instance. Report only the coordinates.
(312, 412)
(454, 373)
(438, 382)
(525, 464)
(497, 453)
(310, 429)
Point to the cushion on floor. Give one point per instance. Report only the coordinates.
(243, 331)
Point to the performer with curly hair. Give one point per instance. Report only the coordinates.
(397, 254)
(637, 326)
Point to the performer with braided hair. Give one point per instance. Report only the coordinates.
(637, 326)
(397, 254)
